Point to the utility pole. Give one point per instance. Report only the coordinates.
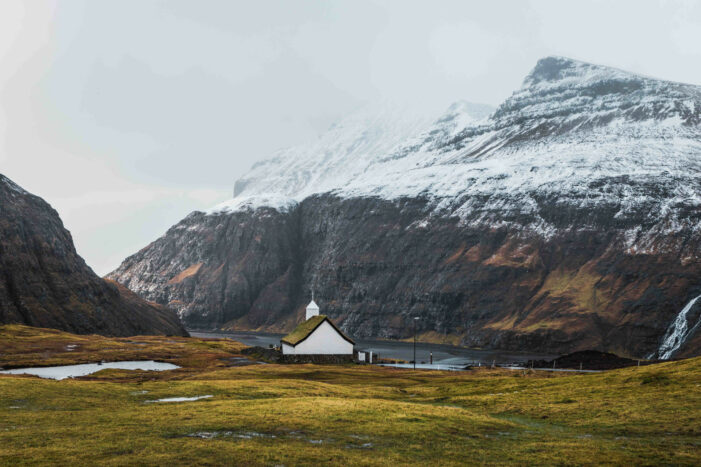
(415, 318)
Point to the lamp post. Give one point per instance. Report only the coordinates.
(415, 318)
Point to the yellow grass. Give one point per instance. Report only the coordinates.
(352, 415)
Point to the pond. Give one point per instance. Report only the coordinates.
(74, 371)
(182, 399)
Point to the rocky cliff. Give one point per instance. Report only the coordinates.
(569, 218)
(43, 281)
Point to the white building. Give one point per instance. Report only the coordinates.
(317, 335)
(312, 309)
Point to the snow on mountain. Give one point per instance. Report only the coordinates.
(579, 133)
(253, 202)
(347, 151)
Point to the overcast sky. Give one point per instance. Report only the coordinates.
(128, 115)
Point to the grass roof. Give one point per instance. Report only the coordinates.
(305, 328)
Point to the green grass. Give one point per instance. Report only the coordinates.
(303, 329)
(355, 415)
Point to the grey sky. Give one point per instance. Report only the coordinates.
(127, 115)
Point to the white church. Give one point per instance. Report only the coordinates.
(317, 335)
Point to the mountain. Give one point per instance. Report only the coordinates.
(43, 281)
(569, 218)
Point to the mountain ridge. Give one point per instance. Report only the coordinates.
(568, 218)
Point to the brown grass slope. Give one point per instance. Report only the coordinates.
(354, 415)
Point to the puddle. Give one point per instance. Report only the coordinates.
(425, 366)
(74, 371)
(137, 393)
(205, 434)
(71, 347)
(252, 434)
(229, 434)
(361, 446)
(299, 435)
(181, 399)
(240, 361)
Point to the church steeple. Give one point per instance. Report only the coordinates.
(312, 308)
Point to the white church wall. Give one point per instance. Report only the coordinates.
(287, 349)
(323, 341)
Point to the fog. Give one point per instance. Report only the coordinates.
(127, 115)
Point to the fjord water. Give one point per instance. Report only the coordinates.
(447, 355)
(74, 371)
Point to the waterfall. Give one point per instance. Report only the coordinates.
(677, 332)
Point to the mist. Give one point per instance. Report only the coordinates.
(127, 115)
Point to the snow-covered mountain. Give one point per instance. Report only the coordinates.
(567, 218)
(569, 124)
(347, 151)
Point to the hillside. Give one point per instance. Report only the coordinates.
(44, 282)
(567, 219)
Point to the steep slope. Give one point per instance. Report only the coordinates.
(43, 281)
(348, 150)
(568, 219)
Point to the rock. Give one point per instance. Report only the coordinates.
(589, 360)
(44, 283)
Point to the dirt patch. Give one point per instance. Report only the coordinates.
(191, 271)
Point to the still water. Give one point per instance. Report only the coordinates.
(446, 355)
(74, 371)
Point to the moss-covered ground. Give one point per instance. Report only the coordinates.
(352, 415)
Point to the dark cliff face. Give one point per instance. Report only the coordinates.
(568, 219)
(215, 269)
(492, 287)
(375, 264)
(43, 281)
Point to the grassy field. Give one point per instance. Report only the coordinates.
(355, 415)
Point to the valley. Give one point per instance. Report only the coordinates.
(382, 233)
(358, 415)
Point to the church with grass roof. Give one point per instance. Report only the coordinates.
(317, 335)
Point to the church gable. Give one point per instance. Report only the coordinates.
(303, 330)
(307, 328)
(317, 335)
